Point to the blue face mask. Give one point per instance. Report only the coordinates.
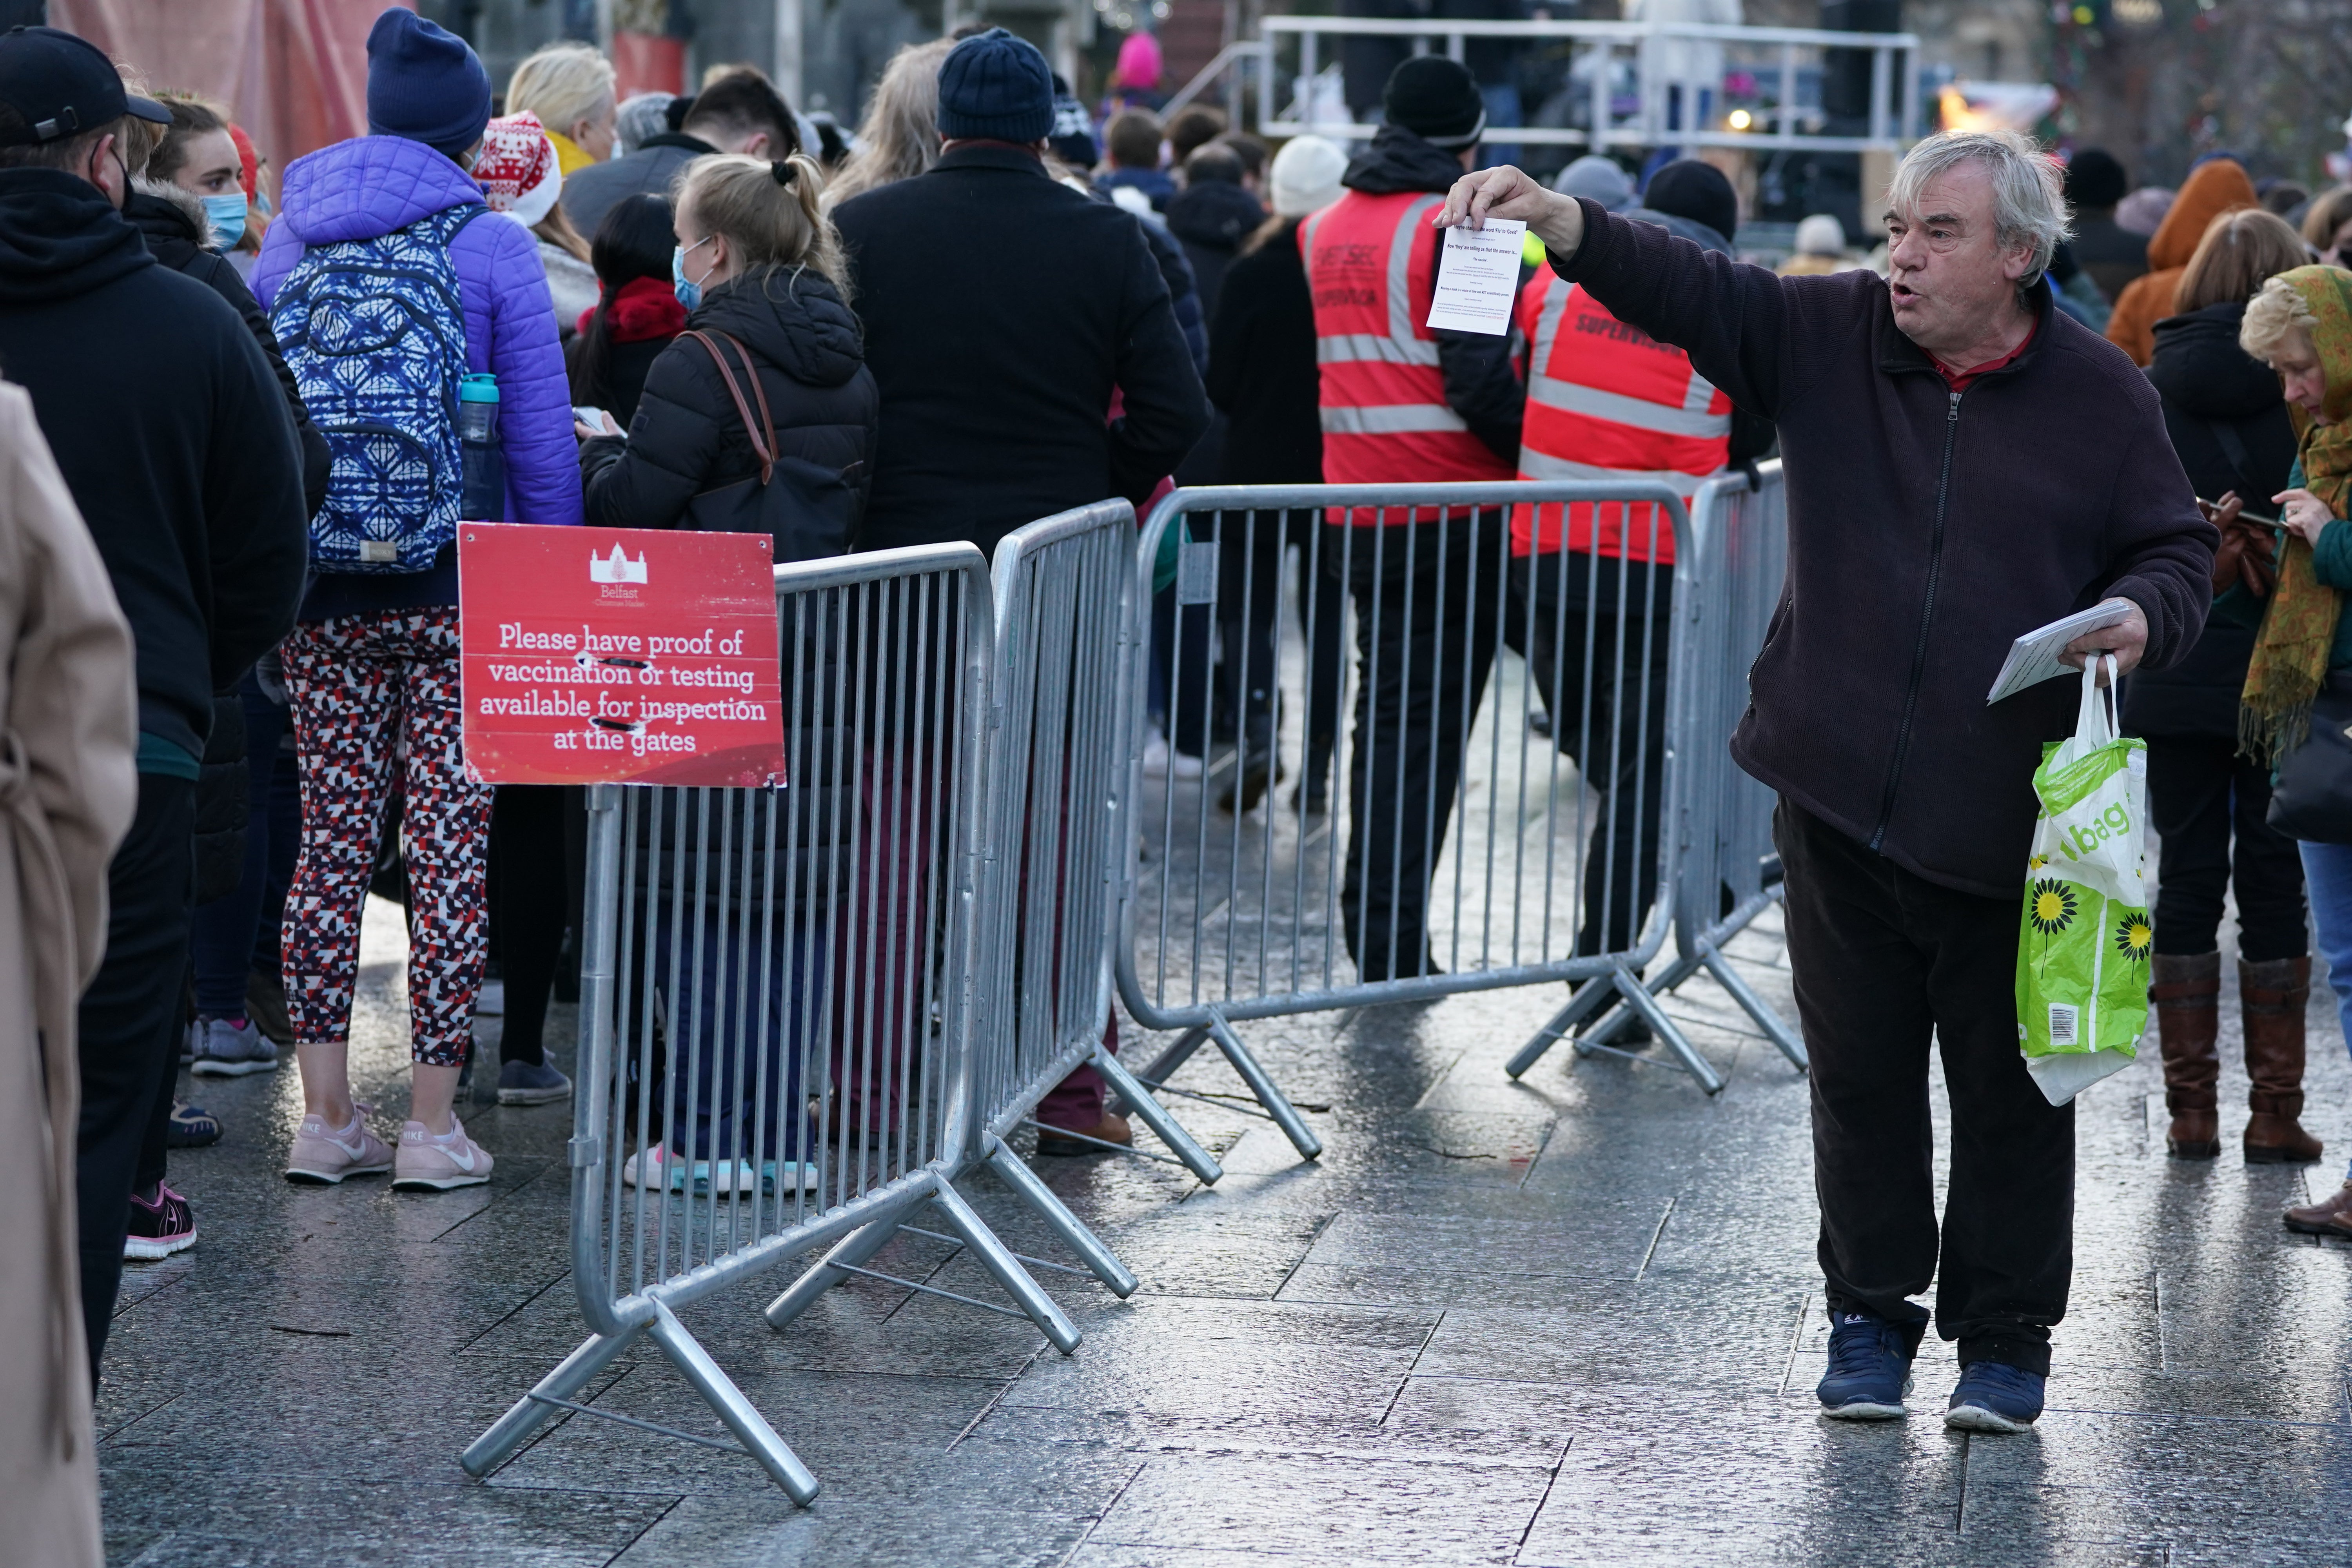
(227, 214)
(689, 293)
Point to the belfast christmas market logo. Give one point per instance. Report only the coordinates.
(616, 567)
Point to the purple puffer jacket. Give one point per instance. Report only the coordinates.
(372, 185)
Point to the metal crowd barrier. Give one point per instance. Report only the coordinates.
(1243, 904)
(1729, 871)
(1050, 852)
(777, 1002)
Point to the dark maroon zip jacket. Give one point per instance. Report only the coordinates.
(1928, 530)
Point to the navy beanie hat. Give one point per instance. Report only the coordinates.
(996, 87)
(425, 83)
(1689, 189)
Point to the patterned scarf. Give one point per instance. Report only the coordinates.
(2290, 662)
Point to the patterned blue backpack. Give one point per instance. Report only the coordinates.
(374, 330)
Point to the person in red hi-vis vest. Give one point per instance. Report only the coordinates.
(1594, 581)
(1402, 403)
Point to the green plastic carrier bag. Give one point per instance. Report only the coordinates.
(2084, 937)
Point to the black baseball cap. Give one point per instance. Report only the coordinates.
(62, 86)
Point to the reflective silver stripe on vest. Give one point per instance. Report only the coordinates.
(1538, 464)
(1701, 392)
(1409, 228)
(1390, 419)
(1356, 348)
(1640, 413)
(1548, 321)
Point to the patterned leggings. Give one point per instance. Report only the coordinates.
(370, 690)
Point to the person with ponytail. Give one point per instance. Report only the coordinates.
(769, 338)
(637, 313)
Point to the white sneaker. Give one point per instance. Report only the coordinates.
(430, 1163)
(657, 1169)
(322, 1156)
(1155, 754)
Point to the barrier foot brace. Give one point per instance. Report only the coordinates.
(750, 1428)
(851, 1254)
(1262, 1087)
(557, 1389)
(1625, 983)
(1134, 1096)
(1711, 958)
(1015, 1173)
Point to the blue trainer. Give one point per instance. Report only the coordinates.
(1870, 1369)
(1993, 1397)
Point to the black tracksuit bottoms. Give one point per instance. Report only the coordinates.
(1884, 961)
(130, 1025)
(1429, 600)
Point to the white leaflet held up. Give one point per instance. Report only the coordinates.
(1478, 277)
(2033, 658)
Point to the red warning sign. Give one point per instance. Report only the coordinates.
(619, 656)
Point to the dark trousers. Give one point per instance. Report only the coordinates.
(1428, 605)
(537, 865)
(1884, 961)
(2201, 796)
(1250, 548)
(130, 1026)
(748, 992)
(1595, 633)
(224, 935)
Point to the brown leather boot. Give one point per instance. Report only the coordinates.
(2331, 1216)
(2273, 994)
(2187, 991)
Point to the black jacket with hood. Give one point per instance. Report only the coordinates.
(173, 223)
(1263, 373)
(2229, 424)
(174, 437)
(686, 439)
(1482, 379)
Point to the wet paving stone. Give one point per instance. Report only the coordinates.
(1574, 1319)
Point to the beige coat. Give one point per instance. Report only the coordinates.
(69, 784)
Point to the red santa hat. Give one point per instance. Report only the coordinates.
(517, 169)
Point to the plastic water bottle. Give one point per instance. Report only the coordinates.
(484, 498)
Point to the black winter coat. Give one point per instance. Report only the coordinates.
(2221, 407)
(1211, 219)
(1002, 308)
(192, 491)
(687, 438)
(1263, 374)
(1928, 529)
(172, 224)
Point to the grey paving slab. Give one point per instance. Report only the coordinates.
(1572, 1319)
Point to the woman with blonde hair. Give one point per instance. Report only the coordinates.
(899, 137)
(769, 339)
(2299, 680)
(572, 89)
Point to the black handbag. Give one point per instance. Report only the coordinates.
(2311, 798)
(808, 509)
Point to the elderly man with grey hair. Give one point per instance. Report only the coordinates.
(1965, 464)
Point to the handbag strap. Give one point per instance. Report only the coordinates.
(759, 392)
(764, 451)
